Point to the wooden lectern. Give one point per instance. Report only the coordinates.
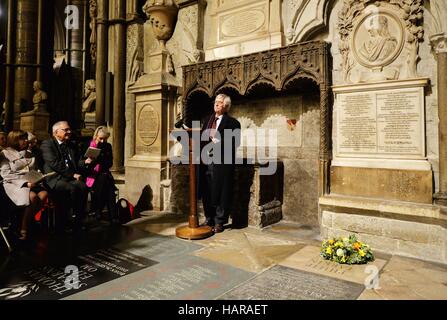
(193, 231)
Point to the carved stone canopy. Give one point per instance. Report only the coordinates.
(277, 68)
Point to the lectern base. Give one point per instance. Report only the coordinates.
(193, 233)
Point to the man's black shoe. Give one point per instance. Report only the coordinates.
(208, 223)
(218, 228)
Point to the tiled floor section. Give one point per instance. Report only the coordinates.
(279, 262)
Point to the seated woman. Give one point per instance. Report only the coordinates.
(33, 147)
(15, 163)
(99, 179)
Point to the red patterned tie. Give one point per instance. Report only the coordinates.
(213, 128)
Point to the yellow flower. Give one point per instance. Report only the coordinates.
(339, 244)
(345, 239)
(362, 253)
(329, 250)
(331, 242)
(343, 259)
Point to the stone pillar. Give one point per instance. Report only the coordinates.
(135, 58)
(40, 43)
(155, 94)
(76, 38)
(119, 88)
(101, 61)
(25, 59)
(439, 43)
(9, 97)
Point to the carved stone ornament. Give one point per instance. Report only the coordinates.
(380, 39)
(162, 15)
(439, 43)
(93, 13)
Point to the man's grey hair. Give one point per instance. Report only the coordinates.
(227, 100)
(58, 124)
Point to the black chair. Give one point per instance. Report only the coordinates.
(6, 215)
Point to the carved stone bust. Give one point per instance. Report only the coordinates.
(89, 96)
(40, 97)
(89, 104)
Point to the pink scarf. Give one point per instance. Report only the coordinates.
(91, 179)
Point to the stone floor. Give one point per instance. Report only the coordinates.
(145, 261)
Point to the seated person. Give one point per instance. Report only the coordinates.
(2, 140)
(35, 150)
(61, 155)
(15, 163)
(99, 179)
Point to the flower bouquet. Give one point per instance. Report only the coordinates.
(346, 251)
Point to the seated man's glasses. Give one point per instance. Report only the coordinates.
(65, 129)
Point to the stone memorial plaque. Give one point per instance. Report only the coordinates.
(148, 125)
(184, 278)
(283, 283)
(381, 124)
(399, 123)
(241, 23)
(309, 259)
(56, 282)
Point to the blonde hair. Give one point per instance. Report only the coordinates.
(103, 130)
(12, 141)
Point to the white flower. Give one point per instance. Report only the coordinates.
(340, 252)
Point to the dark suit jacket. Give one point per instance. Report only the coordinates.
(54, 161)
(223, 174)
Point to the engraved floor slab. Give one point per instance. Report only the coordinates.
(308, 259)
(410, 279)
(249, 251)
(186, 278)
(51, 282)
(159, 248)
(283, 283)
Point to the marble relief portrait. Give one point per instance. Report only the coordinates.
(377, 40)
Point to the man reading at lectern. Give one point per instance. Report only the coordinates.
(220, 138)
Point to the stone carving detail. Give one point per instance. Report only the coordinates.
(438, 37)
(384, 36)
(135, 54)
(162, 14)
(291, 16)
(276, 68)
(93, 13)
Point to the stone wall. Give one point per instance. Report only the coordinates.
(300, 158)
(407, 238)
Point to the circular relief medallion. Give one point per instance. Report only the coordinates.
(148, 124)
(378, 39)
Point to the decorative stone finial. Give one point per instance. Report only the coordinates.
(162, 14)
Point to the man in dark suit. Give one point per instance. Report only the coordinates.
(222, 137)
(61, 156)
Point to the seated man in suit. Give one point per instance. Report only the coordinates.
(61, 156)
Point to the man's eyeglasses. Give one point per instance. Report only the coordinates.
(65, 129)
